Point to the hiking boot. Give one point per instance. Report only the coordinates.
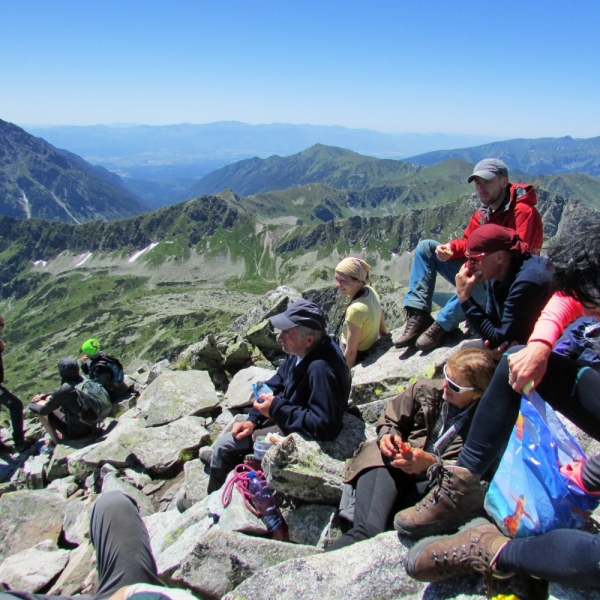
(456, 498)
(475, 549)
(417, 321)
(432, 338)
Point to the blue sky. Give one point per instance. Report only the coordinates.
(510, 69)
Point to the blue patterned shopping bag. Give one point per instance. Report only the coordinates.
(528, 494)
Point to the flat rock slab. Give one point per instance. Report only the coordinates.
(156, 448)
(222, 560)
(76, 524)
(391, 372)
(301, 470)
(79, 567)
(31, 569)
(177, 394)
(369, 570)
(29, 517)
(239, 393)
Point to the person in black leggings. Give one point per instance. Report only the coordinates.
(565, 556)
(123, 555)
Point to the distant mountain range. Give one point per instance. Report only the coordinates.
(542, 156)
(40, 181)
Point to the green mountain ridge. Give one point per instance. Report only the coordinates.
(40, 181)
(333, 166)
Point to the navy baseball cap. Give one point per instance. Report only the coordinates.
(302, 312)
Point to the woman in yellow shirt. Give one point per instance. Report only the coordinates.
(364, 320)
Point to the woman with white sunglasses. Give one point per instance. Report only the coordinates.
(423, 426)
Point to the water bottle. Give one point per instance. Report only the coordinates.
(264, 502)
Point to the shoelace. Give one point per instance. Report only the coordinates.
(242, 482)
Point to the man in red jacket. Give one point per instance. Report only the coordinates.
(503, 203)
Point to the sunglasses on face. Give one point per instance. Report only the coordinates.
(473, 259)
(458, 389)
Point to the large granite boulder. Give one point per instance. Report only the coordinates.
(367, 571)
(307, 523)
(354, 433)
(204, 355)
(30, 570)
(237, 355)
(177, 394)
(239, 393)
(29, 517)
(157, 449)
(221, 560)
(33, 470)
(263, 336)
(196, 480)
(76, 523)
(301, 470)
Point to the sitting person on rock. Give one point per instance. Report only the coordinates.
(518, 286)
(363, 318)
(61, 410)
(12, 402)
(310, 391)
(565, 556)
(126, 567)
(103, 368)
(431, 419)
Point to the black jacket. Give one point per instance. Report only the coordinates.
(310, 397)
(513, 304)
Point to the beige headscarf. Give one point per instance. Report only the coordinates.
(355, 267)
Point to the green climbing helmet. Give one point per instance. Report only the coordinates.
(91, 347)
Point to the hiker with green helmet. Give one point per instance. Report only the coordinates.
(103, 368)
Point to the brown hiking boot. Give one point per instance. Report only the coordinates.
(456, 498)
(417, 321)
(474, 549)
(432, 338)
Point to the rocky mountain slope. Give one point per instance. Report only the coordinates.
(40, 181)
(217, 549)
(542, 156)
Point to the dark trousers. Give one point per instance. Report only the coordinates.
(565, 556)
(122, 545)
(380, 493)
(15, 407)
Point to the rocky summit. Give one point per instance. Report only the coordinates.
(154, 448)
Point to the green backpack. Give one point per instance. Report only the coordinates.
(94, 401)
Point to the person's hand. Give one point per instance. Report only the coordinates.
(416, 461)
(84, 358)
(465, 282)
(389, 445)
(40, 399)
(242, 430)
(496, 353)
(443, 252)
(264, 406)
(529, 364)
(2, 346)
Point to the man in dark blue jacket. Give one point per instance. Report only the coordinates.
(518, 286)
(310, 391)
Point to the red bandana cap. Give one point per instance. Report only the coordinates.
(491, 238)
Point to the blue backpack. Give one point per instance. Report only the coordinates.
(581, 342)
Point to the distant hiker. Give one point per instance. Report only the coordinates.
(518, 286)
(124, 560)
(103, 368)
(423, 427)
(506, 204)
(62, 410)
(363, 318)
(310, 391)
(12, 402)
